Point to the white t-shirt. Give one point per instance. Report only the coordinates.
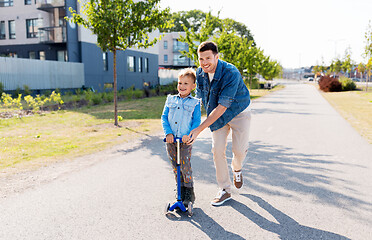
(211, 75)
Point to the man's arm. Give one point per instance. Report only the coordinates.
(215, 114)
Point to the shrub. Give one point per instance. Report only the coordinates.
(88, 95)
(1, 88)
(17, 92)
(27, 90)
(109, 97)
(328, 84)
(97, 99)
(347, 84)
(138, 93)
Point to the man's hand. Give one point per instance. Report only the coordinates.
(215, 114)
(185, 138)
(193, 135)
(169, 138)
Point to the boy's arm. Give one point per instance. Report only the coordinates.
(164, 121)
(195, 122)
(196, 116)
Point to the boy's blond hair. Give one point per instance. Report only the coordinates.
(187, 72)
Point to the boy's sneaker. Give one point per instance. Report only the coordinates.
(189, 196)
(238, 179)
(222, 196)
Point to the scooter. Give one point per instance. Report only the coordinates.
(179, 204)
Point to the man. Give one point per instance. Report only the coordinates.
(226, 100)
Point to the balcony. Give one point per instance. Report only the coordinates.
(52, 35)
(180, 47)
(182, 62)
(49, 5)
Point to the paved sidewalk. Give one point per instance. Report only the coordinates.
(308, 176)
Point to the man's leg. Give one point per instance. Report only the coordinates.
(240, 126)
(219, 143)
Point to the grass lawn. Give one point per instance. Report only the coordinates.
(36, 140)
(356, 108)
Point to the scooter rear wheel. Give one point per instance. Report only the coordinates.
(190, 208)
(166, 209)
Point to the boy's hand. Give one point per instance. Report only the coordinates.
(169, 138)
(185, 138)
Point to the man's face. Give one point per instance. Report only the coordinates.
(208, 61)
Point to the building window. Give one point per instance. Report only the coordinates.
(42, 55)
(62, 56)
(140, 64)
(6, 3)
(131, 64)
(179, 46)
(31, 55)
(27, 2)
(2, 30)
(105, 61)
(146, 65)
(32, 28)
(165, 58)
(12, 33)
(165, 44)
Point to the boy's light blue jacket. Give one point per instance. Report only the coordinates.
(227, 88)
(180, 115)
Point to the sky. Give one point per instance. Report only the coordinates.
(296, 33)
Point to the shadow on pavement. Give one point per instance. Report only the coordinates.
(273, 170)
(205, 223)
(286, 228)
(270, 168)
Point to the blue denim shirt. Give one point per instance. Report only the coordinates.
(227, 88)
(180, 115)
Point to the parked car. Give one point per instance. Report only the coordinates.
(356, 79)
(310, 79)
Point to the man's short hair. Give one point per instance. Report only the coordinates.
(208, 45)
(187, 72)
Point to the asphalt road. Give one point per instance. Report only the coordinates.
(308, 176)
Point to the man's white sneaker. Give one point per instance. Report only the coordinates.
(222, 196)
(238, 179)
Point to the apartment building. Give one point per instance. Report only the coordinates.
(169, 52)
(36, 29)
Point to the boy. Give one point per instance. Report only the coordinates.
(181, 114)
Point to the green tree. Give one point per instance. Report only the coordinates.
(368, 50)
(192, 19)
(121, 24)
(231, 26)
(361, 69)
(347, 64)
(336, 66)
(194, 38)
(369, 69)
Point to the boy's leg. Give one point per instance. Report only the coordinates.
(219, 143)
(186, 170)
(172, 155)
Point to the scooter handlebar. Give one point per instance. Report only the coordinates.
(175, 139)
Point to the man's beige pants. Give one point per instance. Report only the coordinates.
(240, 141)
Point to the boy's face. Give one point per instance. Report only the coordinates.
(208, 61)
(185, 86)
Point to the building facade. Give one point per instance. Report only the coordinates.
(169, 52)
(37, 29)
